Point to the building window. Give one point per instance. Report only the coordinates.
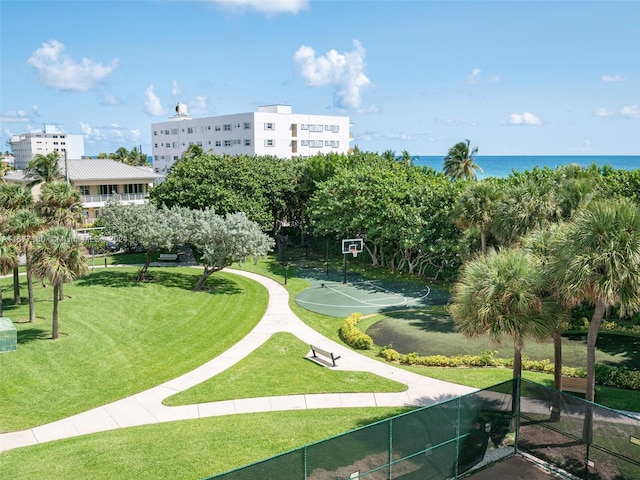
(247, 142)
(304, 143)
(175, 144)
(175, 158)
(199, 144)
(269, 126)
(174, 131)
(247, 125)
(218, 143)
(304, 126)
(208, 142)
(190, 130)
(134, 188)
(84, 189)
(226, 127)
(108, 189)
(315, 128)
(227, 143)
(217, 128)
(269, 143)
(208, 127)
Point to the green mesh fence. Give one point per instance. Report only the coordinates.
(585, 439)
(432, 443)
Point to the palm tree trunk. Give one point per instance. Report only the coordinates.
(16, 286)
(54, 316)
(557, 376)
(592, 337)
(61, 292)
(517, 358)
(0, 300)
(483, 240)
(32, 305)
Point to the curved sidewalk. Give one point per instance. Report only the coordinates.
(146, 407)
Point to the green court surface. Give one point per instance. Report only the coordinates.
(327, 295)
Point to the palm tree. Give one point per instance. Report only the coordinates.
(44, 168)
(459, 163)
(194, 150)
(8, 259)
(502, 294)
(13, 197)
(476, 207)
(22, 226)
(60, 205)
(407, 158)
(60, 258)
(389, 155)
(596, 259)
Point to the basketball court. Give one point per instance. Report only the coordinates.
(340, 296)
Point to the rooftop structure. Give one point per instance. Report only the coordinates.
(273, 130)
(50, 139)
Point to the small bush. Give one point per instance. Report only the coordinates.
(354, 337)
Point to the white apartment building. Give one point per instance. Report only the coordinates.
(273, 130)
(51, 139)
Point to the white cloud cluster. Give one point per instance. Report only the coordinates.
(525, 118)
(113, 134)
(152, 103)
(58, 70)
(611, 78)
(343, 71)
(474, 78)
(175, 88)
(15, 116)
(269, 7)
(628, 111)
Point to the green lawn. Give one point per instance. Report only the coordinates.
(279, 368)
(118, 337)
(191, 449)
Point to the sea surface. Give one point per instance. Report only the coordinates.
(503, 165)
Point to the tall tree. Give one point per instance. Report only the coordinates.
(59, 257)
(193, 150)
(502, 294)
(44, 168)
(8, 259)
(23, 225)
(596, 259)
(60, 205)
(459, 163)
(146, 226)
(224, 240)
(13, 197)
(476, 206)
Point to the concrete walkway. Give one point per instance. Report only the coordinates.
(146, 407)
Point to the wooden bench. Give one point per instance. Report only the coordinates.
(574, 384)
(168, 257)
(315, 351)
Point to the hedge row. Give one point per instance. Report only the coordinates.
(352, 335)
(619, 377)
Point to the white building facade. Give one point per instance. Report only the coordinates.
(273, 130)
(51, 139)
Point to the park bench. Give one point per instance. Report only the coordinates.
(573, 384)
(168, 257)
(315, 351)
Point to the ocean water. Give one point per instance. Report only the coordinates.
(503, 165)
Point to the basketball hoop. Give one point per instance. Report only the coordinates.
(354, 250)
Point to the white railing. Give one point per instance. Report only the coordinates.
(123, 197)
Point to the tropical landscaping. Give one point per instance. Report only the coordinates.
(527, 258)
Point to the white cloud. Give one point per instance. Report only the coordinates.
(612, 78)
(630, 111)
(109, 99)
(604, 113)
(58, 70)
(198, 106)
(175, 89)
(92, 135)
(15, 116)
(344, 72)
(525, 118)
(269, 7)
(474, 78)
(152, 103)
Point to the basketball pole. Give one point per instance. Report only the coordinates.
(344, 268)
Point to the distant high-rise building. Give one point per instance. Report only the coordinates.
(272, 130)
(51, 139)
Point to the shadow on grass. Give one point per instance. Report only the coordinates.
(167, 277)
(29, 335)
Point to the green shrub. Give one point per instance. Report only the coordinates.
(389, 354)
(354, 337)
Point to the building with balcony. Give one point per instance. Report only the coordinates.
(273, 130)
(51, 139)
(99, 180)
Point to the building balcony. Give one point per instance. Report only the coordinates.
(100, 200)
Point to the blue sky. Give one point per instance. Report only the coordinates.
(514, 77)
